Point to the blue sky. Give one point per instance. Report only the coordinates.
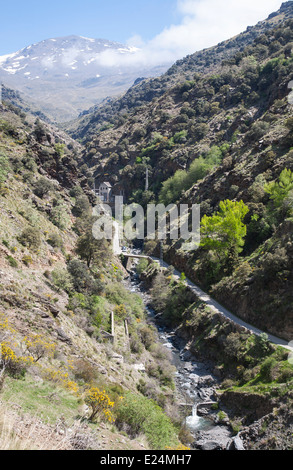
(24, 22)
(164, 30)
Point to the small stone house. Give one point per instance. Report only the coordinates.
(104, 191)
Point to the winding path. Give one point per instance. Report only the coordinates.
(213, 304)
(218, 308)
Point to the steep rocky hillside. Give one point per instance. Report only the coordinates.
(59, 367)
(224, 134)
(114, 112)
(216, 130)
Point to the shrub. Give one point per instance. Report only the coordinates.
(166, 374)
(13, 263)
(279, 190)
(160, 292)
(82, 279)
(8, 128)
(81, 207)
(139, 133)
(150, 247)
(59, 216)
(27, 260)
(76, 191)
(258, 130)
(135, 345)
(120, 312)
(4, 167)
(136, 414)
(147, 336)
(30, 237)
(182, 180)
(55, 240)
(38, 346)
(233, 345)
(180, 137)
(84, 370)
(266, 370)
(62, 279)
(200, 131)
(60, 149)
(42, 187)
(100, 404)
(117, 294)
(12, 364)
(289, 123)
(141, 266)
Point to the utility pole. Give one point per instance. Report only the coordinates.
(147, 179)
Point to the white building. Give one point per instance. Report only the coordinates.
(104, 192)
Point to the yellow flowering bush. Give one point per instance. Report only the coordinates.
(100, 403)
(179, 447)
(61, 378)
(4, 324)
(39, 346)
(11, 363)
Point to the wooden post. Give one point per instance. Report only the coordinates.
(127, 333)
(126, 329)
(112, 327)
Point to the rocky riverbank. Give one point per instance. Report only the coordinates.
(196, 385)
(249, 378)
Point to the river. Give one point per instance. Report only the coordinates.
(195, 383)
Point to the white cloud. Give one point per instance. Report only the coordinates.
(135, 41)
(204, 23)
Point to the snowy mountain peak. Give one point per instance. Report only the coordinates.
(70, 53)
(69, 74)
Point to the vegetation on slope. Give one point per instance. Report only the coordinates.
(255, 388)
(58, 288)
(224, 135)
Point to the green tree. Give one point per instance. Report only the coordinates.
(89, 248)
(81, 207)
(42, 187)
(280, 190)
(182, 180)
(173, 187)
(224, 231)
(199, 168)
(82, 279)
(59, 216)
(60, 149)
(62, 279)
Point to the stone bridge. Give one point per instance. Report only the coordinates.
(129, 257)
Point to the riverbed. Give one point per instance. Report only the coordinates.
(194, 380)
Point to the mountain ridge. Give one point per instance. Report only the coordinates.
(183, 69)
(68, 74)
